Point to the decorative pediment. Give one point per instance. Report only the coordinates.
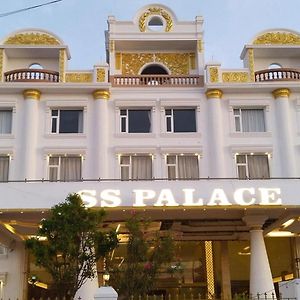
(278, 38)
(32, 38)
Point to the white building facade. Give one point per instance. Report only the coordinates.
(210, 154)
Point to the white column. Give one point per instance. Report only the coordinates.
(215, 134)
(29, 134)
(285, 133)
(101, 129)
(261, 281)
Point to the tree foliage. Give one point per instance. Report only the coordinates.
(73, 246)
(145, 255)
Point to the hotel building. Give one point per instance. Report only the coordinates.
(209, 154)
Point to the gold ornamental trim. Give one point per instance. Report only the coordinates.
(214, 94)
(251, 64)
(62, 63)
(100, 75)
(235, 77)
(101, 94)
(1, 64)
(281, 93)
(214, 74)
(32, 38)
(277, 38)
(32, 94)
(78, 77)
(118, 60)
(199, 46)
(155, 11)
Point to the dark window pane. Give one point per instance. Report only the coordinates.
(123, 124)
(139, 121)
(123, 112)
(54, 125)
(184, 120)
(168, 112)
(169, 124)
(55, 112)
(69, 121)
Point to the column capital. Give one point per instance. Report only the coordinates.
(214, 94)
(255, 221)
(281, 93)
(101, 94)
(32, 94)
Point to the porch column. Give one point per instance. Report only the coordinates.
(30, 131)
(215, 134)
(225, 271)
(285, 133)
(261, 280)
(100, 163)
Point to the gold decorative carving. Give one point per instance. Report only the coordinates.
(177, 63)
(251, 64)
(101, 94)
(192, 61)
(111, 46)
(278, 38)
(62, 58)
(118, 60)
(235, 77)
(155, 11)
(1, 64)
(32, 38)
(281, 93)
(32, 94)
(214, 94)
(100, 75)
(79, 77)
(214, 74)
(199, 46)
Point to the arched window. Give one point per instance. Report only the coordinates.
(36, 66)
(154, 70)
(274, 66)
(156, 23)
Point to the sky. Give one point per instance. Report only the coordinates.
(228, 24)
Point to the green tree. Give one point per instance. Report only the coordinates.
(145, 255)
(74, 243)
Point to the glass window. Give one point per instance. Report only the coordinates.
(5, 121)
(136, 167)
(249, 119)
(254, 166)
(182, 166)
(66, 121)
(4, 167)
(135, 120)
(180, 120)
(65, 168)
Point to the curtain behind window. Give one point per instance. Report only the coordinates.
(188, 167)
(141, 167)
(4, 164)
(70, 168)
(5, 121)
(253, 120)
(258, 166)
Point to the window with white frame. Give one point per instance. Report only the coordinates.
(136, 167)
(65, 168)
(180, 120)
(5, 121)
(249, 119)
(66, 121)
(182, 166)
(253, 166)
(135, 120)
(4, 167)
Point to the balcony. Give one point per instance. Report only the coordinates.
(31, 75)
(279, 74)
(156, 81)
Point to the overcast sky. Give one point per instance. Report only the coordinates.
(228, 24)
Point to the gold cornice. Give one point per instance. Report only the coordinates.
(281, 93)
(214, 94)
(155, 11)
(31, 38)
(101, 94)
(277, 38)
(32, 94)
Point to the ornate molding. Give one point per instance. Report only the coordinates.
(214, 94)
(277, 38)
(79, 77)
(155, 11)
(62, 58)
(100, 75)
(199, 46)
(32, 94)
(32, 38)
(213, 74)
(235, 77)
(251, 64)
(281, 93)
(111, 46)
(118, 60)
(177, 63)
(192, 61)
(101, 94)
(1, 64)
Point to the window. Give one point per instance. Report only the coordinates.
(156, 23)
(135, 120)
(66, 121)
(64, 168)
(5, 121)
(254, 166)
(249, 119)
(136, 167)
(182, 166)
(4, 167)
(180, 120)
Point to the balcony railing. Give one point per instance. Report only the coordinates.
(281, 74)
(33, 75)
(156, 81)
